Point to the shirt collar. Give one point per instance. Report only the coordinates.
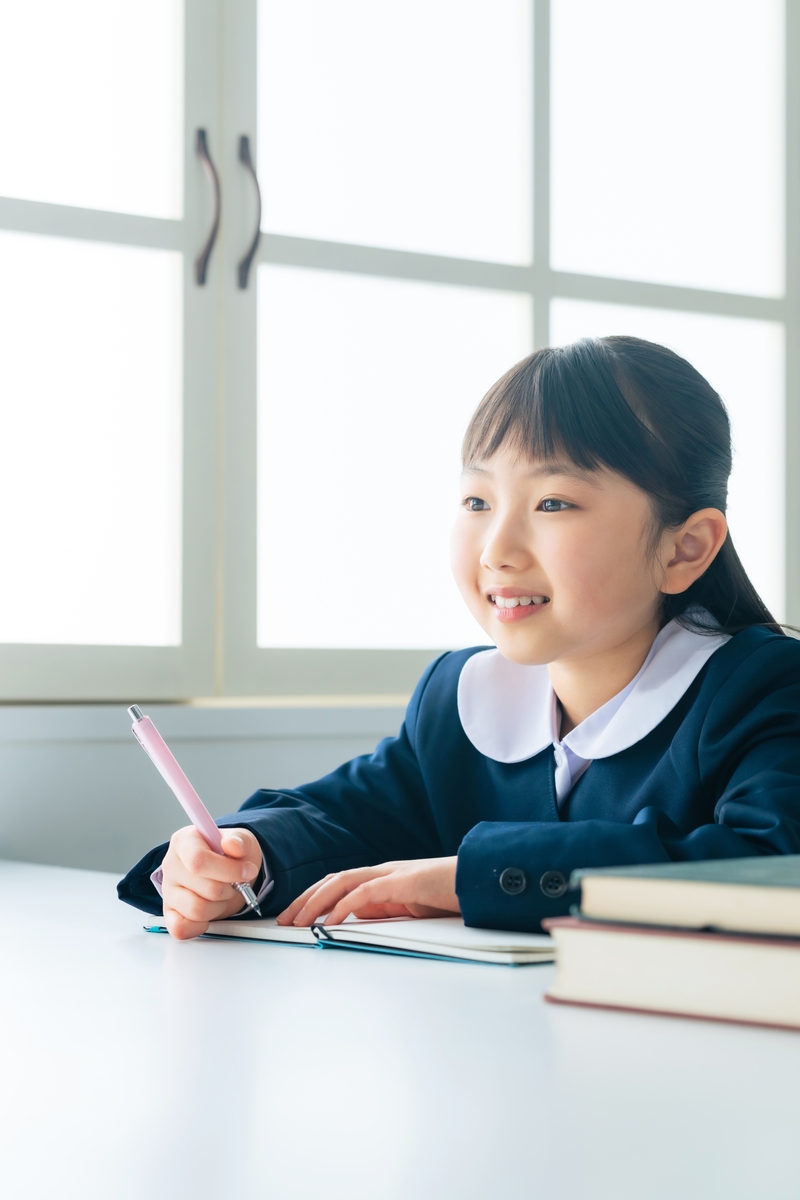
(509, 713)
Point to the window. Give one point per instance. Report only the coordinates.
(216, 489)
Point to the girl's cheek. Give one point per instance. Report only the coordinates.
(588, 571)
(465, 563)
(465, 556)
(604, 573)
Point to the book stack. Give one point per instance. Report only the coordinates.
(718, 939)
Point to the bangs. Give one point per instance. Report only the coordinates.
(565, 403)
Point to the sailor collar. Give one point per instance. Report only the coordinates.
(510, 713)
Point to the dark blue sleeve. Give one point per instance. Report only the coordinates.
(748, 758)
(370, 810)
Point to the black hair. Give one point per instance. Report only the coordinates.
(641, 410)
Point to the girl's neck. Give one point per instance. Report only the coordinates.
(583, 685)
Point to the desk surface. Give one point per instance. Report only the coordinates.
(135, 1066)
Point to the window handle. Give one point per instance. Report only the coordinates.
(243, 268)
(201, 262)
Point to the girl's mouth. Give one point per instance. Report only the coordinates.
(517, 608)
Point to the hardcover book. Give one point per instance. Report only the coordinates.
(719, 976)
(747, 895)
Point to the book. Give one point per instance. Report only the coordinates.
(745, 895)
(432, 937)
(718, 976)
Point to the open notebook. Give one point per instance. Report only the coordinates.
(435, 937)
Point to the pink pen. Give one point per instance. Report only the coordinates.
(159, 752)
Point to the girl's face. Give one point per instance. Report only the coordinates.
(553, 560)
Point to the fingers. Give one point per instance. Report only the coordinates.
(419, 887)
(193, 908)
(198, 860)
(288, 915)
(206, 889)
(197, 883)
(366, 896)
(241, 844)
(324, 891)
(334, 889)
(182, 928)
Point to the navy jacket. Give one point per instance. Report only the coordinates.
(719, 777)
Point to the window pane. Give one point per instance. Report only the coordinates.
(667, 141)
(365, 389)
(91, 97)
(743, 360)
(90, 443)
(407, 126)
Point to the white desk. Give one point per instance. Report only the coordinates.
(134, 1066)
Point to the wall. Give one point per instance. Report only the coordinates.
(76, 789)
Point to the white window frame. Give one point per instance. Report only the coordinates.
(219, 655)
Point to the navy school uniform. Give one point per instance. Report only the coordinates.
(699, 757)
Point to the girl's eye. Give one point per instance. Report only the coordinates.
(551, 506)
(475, 504)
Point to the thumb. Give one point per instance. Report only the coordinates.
(233, 845)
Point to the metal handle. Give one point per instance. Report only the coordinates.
(201, 262)
(243, 268)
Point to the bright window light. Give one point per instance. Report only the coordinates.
(668, 141)
(365, 390)
(398, 125)
(90, 443)
(91, 94)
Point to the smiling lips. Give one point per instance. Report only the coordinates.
(516, 608)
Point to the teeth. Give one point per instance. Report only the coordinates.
(514, 601)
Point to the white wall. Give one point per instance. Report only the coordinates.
(76, 789)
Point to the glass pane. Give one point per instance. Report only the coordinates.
(90, 443)
(365, 389)
(667, 141)
(407, 126)
(91, 97)
(743, 360)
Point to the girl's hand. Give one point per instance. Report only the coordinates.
(423, 887)
(197, 885)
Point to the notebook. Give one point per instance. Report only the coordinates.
(747, 895)
(677, 972)
(435, 937)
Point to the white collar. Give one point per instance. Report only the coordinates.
(508, 711)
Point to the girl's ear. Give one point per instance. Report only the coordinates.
(690, 550)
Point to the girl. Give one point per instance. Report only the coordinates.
(641, 705)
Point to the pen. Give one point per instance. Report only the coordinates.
(165, 762)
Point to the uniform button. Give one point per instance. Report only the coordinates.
(553, 884)
(559, 757)
(513, 881)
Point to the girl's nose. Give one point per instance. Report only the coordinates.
(507, 548)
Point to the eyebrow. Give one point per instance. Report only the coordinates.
(546, 470)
